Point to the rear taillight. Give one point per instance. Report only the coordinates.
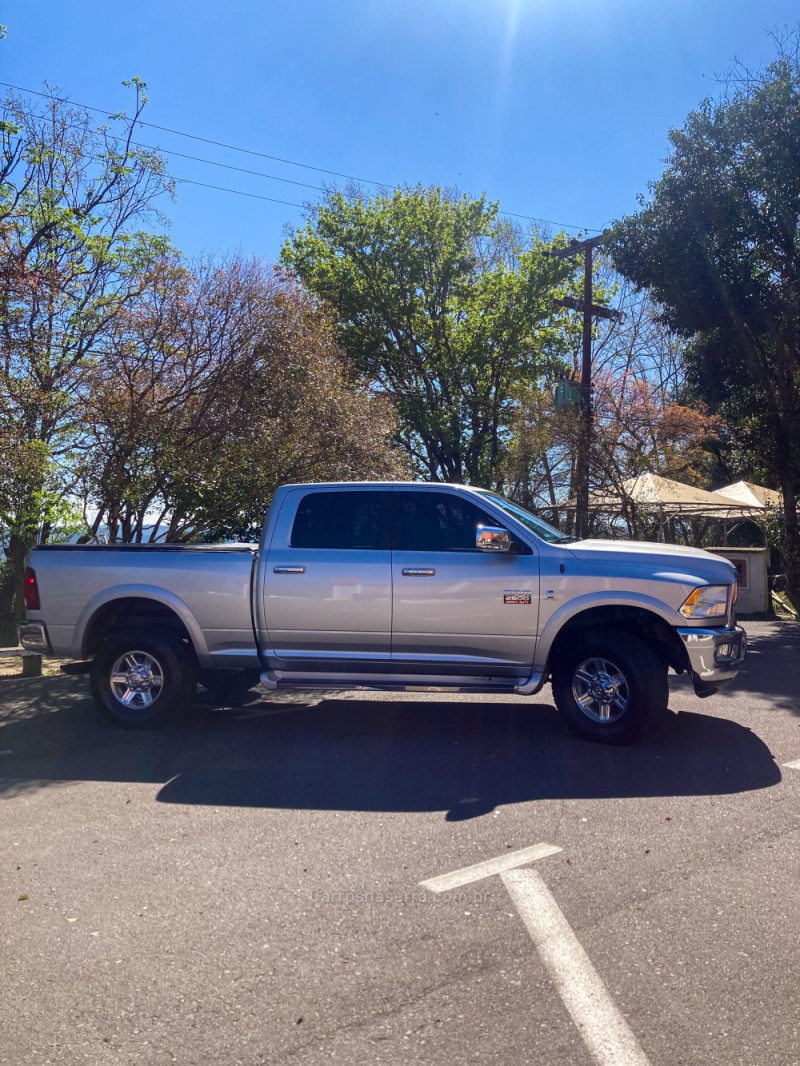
(31, 590)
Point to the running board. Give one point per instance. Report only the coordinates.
(280, 679)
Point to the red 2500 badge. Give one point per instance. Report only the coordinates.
(516, 596)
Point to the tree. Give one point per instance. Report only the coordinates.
(442, 308)
(70, 259)
(640, 423)
(219, 384)
(718, 245)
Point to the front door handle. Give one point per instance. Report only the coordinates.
(288, 569)
(414, 572)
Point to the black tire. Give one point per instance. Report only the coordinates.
(139, 678)
(231, 690)
(610, 686)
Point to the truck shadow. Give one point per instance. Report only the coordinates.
(464, 758)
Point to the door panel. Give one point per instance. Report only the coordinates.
(459, 606)
(327, 590)
(472, 609)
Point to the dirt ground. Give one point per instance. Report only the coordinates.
(11, 666)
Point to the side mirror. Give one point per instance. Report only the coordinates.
(492, 539)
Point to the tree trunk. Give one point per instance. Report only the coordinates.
(12, 604)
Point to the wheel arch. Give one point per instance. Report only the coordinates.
(639, 619)
(136, 607)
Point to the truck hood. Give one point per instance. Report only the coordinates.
(673, 557)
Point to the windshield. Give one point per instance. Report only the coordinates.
(536, 525)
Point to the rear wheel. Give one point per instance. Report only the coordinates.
(138, 678)
(610, 686)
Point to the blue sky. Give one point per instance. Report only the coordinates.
(559, 109)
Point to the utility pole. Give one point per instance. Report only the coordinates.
(590, 310)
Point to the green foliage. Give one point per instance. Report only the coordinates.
(72, 257)
(221, 383)
(23, 463)
(718, 245)
(443, 308)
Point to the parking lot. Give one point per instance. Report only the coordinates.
(246, 885)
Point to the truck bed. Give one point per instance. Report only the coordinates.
(207, 585)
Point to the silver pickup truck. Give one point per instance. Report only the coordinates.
(391, 586)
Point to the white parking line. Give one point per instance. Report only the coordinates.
(488, 868)
(608, 1037)
(794, 765)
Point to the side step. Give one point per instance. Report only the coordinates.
(286, 679)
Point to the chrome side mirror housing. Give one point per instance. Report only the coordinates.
(492, 539)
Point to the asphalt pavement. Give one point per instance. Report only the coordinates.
(251, 885)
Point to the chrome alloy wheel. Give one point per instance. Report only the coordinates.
(136, 679)
(600, 690)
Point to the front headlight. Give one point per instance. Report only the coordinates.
(709, 601)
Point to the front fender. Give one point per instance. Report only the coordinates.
(574, 607)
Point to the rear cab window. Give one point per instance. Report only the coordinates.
(355, 521)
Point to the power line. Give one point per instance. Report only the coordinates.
(203, 140)
(237, 192)
(210, 162)
(225, 166)
(262, 155)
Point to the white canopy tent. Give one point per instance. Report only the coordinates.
(681, 512)
(669, 499)
(752, 495)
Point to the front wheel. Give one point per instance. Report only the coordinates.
(610, 685)
(139, 678)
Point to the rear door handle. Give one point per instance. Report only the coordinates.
(288, 569)
(410, 571)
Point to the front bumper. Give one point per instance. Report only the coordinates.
(714, 656)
